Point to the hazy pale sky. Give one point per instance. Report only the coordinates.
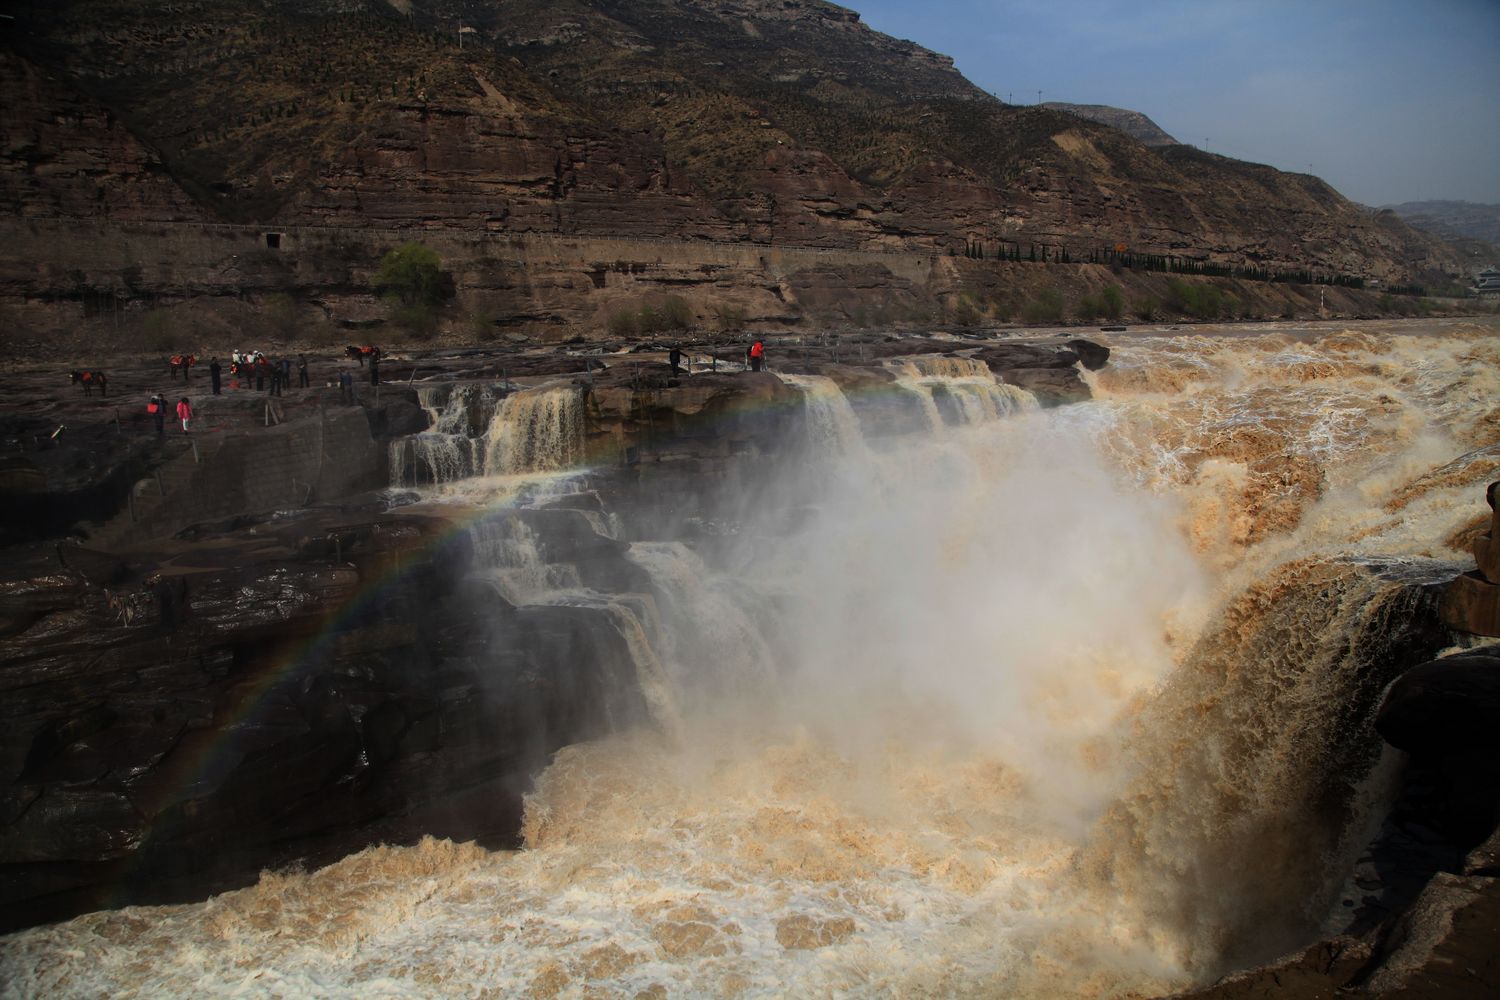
(1387, 100)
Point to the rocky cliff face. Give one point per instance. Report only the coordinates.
(288, 688)
(778, 123)
(68, 156)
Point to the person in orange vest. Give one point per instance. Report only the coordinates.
(185, 414)
(157, 407)
(757, 356)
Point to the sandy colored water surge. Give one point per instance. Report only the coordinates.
(1006, 717)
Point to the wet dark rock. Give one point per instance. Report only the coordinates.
(1445, 707)
(1051, 386)
(398, 414)
(294, 687)
(1444, 945)
(1091, 355)
(1315, 973)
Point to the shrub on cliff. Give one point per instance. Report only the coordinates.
(965, 312)
(1108, 304)
(1199, 301)
(484, 325)
(281, 314)
(412, 282)
(1045, 307)
(672, 314)
(676, 314)
(160, 332)
(622, 324)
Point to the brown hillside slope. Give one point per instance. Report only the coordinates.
(786, 122)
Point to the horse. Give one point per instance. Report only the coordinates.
(183, 361)
(91, 379)
(360, 353)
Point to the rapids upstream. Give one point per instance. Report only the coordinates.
(1040, 703)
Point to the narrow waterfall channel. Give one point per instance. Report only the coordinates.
(479, 430)
(1035, 703)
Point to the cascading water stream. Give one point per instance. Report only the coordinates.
(832, 427)
(445, 451)
(509, 551)
(1061, 705)
(477, 431)
(976, 394)
(535, 430)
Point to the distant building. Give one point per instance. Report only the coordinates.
(1487, 282)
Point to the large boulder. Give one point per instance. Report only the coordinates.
(1445, 707)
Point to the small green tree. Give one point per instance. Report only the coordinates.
(412, 274)
(1113, 301)
(1046, 307)
(412, 282)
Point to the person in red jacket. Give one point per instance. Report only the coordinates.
(757, 356)
(185, 414)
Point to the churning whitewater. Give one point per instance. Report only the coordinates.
(1037, 703)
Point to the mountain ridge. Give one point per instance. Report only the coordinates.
(1133, 123)
(762, 123)
(1453, 219)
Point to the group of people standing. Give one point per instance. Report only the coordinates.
(268, 376)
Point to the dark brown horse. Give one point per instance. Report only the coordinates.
(360, 353)
(91, 379)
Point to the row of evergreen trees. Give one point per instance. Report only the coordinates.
(1170, 264)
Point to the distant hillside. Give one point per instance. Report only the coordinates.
(759, 121)
(1453, 219)
(1132, 123)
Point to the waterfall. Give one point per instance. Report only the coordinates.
(971, 390)
(477, 432)
(535, 430)
(1074, 704)
(507, 549)
(714, 640)
(446, 451)
(832, 427)
(509, 560)
(1266, 730)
